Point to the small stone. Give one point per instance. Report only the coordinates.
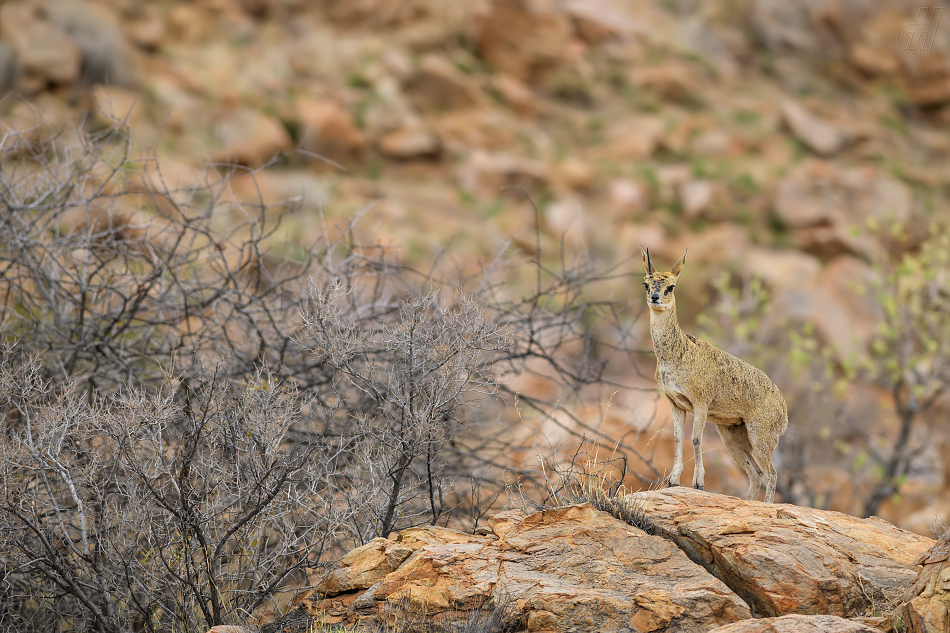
(147, 32)
(573, 174)
(633, 139)
(599, 21)
(114, 105)
(396, 62)
(821, 136)
(438, 85)
(671, 80)
(695, 197)
(248, 137)
(487, 172)
(327, 129)
(712, 144)
(410, 143)
(516, 94)
(628, 194)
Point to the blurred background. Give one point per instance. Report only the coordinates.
(799, 150)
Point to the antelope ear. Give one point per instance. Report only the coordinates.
(647, 264)
(678, 266)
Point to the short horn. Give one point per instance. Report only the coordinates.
(649, 263)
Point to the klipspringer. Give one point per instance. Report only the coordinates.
(745, 405)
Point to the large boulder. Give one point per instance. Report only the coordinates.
(784, 559)
(527, 39)
(830, 210)
(569, 569)
(44, 50)
(837, 299)
(928, 610)
(698, 561)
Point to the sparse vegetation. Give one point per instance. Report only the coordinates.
(496, 617)
(211, 387)
(588, 478)
(191, 430)
(910, 355)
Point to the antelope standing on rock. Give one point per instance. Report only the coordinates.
(745, 405)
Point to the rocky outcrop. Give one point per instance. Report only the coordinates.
(662, 121)
(830, 211)
(928, 609)
(798, 624)
(784, 559)
(704, 561)
(572, 568)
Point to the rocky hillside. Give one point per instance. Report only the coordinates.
(799, 144)
(696, 562)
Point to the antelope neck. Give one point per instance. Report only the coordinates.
(668, 338)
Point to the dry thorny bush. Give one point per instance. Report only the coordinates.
(197, 419)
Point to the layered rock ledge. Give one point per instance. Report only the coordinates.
(705, 561)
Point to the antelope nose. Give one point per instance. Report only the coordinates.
(655, 296)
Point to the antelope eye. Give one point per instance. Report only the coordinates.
(668, 290)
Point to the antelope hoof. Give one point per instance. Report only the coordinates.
(699, 487)
(670, 484)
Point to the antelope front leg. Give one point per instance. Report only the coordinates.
(699, 423)
(679, 422)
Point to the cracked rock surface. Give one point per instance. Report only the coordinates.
(784, 559)
(715, 561)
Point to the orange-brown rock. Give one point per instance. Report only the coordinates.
(928, 609)
(410, 143)
(821, 136)
(798, 624)
(599, 21)
(633, 139)
(516, 94)
(488, 172)
(835, 299)
(328, 129)
(784, 559)
(248, 137)
(43, 49)
(828, 209)
(484, 128)
(672, 81)
(438, 85)
(569, 569)
(524, 38)
(366, 565)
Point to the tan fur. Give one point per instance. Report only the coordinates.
(745, 405)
